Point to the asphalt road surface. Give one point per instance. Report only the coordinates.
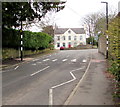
(48, 80)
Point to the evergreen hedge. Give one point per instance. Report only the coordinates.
(31, 40)
(114, 47)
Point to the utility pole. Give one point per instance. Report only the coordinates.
(106, 28)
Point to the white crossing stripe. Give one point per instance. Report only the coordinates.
(74, 60)
(46, 60)
(54, 60)
(34, 64)
(64, 60)
(35, 59)
(84, 60)
(39, 62)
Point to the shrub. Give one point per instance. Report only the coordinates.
(31, 40)
(114, 47)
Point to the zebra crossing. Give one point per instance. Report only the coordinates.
(54, 60)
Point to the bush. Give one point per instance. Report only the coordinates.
(114, 47)
(10, 38)
(115, 70)
(31, 40)
(51, 46)
(90, 40)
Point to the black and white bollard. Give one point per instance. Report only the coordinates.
(21, 48)
(107, 46)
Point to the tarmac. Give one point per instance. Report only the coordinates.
(95, 88)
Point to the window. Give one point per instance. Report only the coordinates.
(75, 44)
(69, 31)
(69, 37)
(58, 37)
(64, 44)
(75, 37)
(63, 37)
(81, 43)
(80, 37)
(69, 43)
(58, 44)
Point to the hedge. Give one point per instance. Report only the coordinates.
(114, 47)
(31, 40)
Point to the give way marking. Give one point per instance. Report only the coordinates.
(40, 71)
(56, 86)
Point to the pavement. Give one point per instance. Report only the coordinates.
(95, 88)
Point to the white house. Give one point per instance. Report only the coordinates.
(69, 37)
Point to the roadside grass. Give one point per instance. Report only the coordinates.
(9, 53)
(39, 53)
(11, 56)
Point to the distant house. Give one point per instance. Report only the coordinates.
(69, 37)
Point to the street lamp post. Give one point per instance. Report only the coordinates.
(106, 28)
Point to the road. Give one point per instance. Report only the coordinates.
(45, 81)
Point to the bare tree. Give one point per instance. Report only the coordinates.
(96, 22)
(92, 23)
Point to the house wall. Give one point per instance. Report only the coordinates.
(73, 42)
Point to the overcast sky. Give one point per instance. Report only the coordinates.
(72, 15)
(75, 10)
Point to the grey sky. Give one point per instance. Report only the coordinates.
(75, 10)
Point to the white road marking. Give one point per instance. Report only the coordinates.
(54, 60)
(74, 90)
(39, 62)
(84, 60)
(65, 82)
(35, 59)
(46, 60)
(16, 67)
(40, 71)
(64, 60)
(50, 97)
(74, 60)
(51, 89)
(34, 64)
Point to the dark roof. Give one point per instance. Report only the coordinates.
(63, 30)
